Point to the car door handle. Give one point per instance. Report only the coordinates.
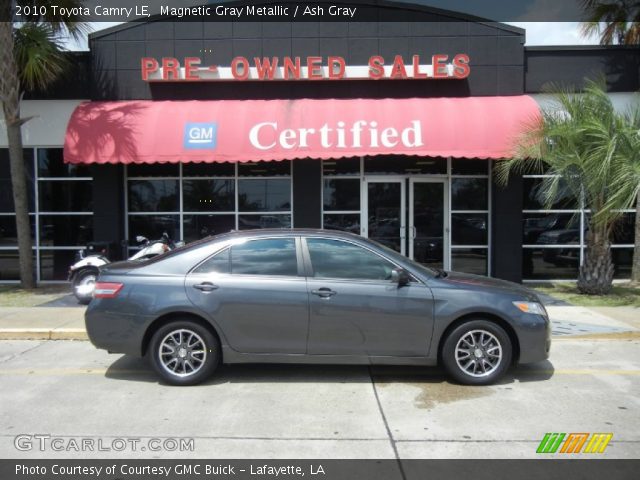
(324, 292)
(206, 286)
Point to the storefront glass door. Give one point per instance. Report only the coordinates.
(428, 226)
(384, 213)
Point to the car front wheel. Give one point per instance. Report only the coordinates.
(184, 352)
(478, 352)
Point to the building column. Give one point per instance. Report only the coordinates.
(108, 206)
(307, 193)
(506, 232)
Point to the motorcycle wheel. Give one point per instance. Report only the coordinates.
(83, 286)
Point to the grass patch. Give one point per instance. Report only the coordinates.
(14, 296)
(622, 295)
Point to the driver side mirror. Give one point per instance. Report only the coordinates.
(400, 276)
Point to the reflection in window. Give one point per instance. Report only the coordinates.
(54, 264)
(264, 195)
(51, 164)
(153, 195)
(534, 198)
(469, 228)
(469, 260)
(550, 263)
(201, 226)
(208, 195)
(343, 166)
(341, 194)
(275, 256)
(250, 222)
(469, 194)
(265, 169)
(63, 196)
(346, 222)
(551, 229)
(65, 230)
(218, 263)
(336, 259)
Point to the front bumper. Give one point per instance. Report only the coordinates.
(534, 334)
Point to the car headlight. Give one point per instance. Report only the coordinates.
(531, 307)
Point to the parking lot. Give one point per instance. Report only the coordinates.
(71, 391)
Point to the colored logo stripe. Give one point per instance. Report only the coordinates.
(574, 442)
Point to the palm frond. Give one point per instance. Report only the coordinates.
(38, 54)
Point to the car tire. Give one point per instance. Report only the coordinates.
(477, 352)
(84, 278)
(184, 352)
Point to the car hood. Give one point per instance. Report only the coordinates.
(478, 282)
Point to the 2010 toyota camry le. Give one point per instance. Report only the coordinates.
(311, 296)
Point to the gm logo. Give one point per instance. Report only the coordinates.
(200, 135)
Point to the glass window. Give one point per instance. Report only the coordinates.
(54, 264)
(51, 164)
(469, 260)
(469, 166)
(8, 233)
(550, 263)
(341, 194)
(344, 166)
(200, 226)
(347, 222)
(622, 260)
(10, 265)
(153, 195)
(274, 256)
(264, 195)
(337, 259)
(551, 229)
(624, 231)
(6, 191)
(63, 196)
(469, 228)
(153, 170)
(402, 164)
(469, 194)
(208, 195)
(250, 222)
(65, 230)
(153, 226)
(218, 263)
(216, 169)
(533, 196)
(265, 169)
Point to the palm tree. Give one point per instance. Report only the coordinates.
(615, 21)
(31, 56)
(582, 141)
(626, 175)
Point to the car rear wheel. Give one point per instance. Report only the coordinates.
(478, 352)
(184, 352)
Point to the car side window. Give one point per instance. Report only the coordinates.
(338, 259)
(218, 263)
(272, 256)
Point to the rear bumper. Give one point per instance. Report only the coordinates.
(115, 331)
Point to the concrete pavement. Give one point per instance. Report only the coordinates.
(70, 390)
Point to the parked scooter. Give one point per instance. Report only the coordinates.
(84, 273)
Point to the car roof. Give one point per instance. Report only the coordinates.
(286, 232)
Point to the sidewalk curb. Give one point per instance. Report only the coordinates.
(43, 334)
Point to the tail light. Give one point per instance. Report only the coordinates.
(107, 290)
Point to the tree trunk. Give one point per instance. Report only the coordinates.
(596, 273)
(635, 270)
(10, 96)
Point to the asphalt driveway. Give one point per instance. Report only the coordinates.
(70, 390)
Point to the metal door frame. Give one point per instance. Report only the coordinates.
(446, 214)
(364, 202)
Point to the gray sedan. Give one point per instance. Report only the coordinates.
(311, 296)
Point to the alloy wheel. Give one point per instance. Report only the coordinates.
(478, 353)
(182, 353)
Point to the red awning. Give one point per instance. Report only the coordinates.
(251, 130)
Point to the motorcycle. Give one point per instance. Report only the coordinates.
(84, 273)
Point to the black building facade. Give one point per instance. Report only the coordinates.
(442, 211)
